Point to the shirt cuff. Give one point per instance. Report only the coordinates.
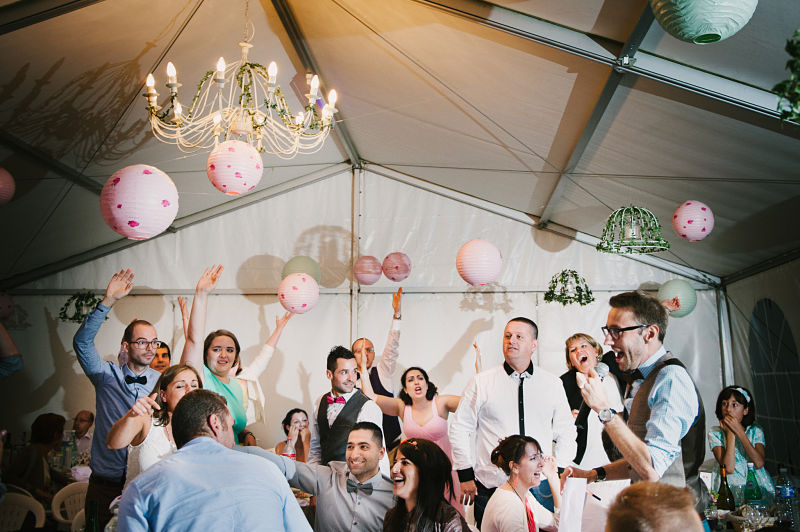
(466, 475)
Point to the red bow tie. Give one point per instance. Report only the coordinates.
(331, 400)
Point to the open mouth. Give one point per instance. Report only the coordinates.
(399, 480)
(418, 389)
(583, 358)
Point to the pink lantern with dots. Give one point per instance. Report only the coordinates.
(693, 221)
(234, 167)
(6, 305)
(396, 266)
(139, 201)
(7, 186)
(298, 293)
(367, 270)
(478, 262)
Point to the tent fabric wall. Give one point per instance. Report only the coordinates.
(442, 315)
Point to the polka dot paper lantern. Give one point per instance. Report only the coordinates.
(234, 167)
(367, 270)
(478, 262)
(302, 264)
(6, 305)
(396, 266)
(683, 291)
(139, 201)
(7, 186)
(693, 221)
(298, 293)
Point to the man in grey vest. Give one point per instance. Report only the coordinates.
(663, 439)
(337, 411)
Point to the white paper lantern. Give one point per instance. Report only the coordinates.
(703, 21)
(693, 221)
(298, 293)
(7, 186)
(302, 264)
(6, 305)
(139, 201)
(478, 262)
(396, 266)
(234, 167)
(367, 270)
(683, 291)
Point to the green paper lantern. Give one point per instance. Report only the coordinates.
(632, 230)
(702, 21)
(302, 264)
(683, 291)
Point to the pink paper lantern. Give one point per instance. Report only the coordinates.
(478, 262)
(139, 201)
(693, 221)
(234, 167)
(367, 270)
(396, 266)
(298, 293)
(7, 186)
(6, 305)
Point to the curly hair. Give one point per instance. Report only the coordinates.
(407, 398)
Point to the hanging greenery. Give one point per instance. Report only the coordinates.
(789, 89)
(568, 287)
(81, 304)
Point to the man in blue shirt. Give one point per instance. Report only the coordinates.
(205, 485)
(662, 437)
(116, 386)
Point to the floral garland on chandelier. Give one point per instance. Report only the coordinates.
(568, 287)
(81, 304)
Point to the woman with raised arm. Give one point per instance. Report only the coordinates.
(146, 428)
(424, 413)
(219, 353)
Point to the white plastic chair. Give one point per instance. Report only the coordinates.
(71, 497)
(15, 508)
(78, 522)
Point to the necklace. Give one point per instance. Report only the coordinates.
(522, 500)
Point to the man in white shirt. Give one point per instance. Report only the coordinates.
(337, 411)
(83, 438)
(514, 398)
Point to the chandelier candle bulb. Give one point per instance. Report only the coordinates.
(172, 74)
(220, 71)
(314, 88)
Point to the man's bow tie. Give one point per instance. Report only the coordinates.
(631, 376)
(135, 380)
(352, 486)
(331, 400)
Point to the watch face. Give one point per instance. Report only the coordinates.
(606, 414)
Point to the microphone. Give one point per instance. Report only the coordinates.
(602, 370)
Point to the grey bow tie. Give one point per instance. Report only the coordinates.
(352, 486)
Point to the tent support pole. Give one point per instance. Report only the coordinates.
(726, 354)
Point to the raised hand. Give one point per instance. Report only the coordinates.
(397, 299)
(208, 281)
(118, 287)
(477, 356)
(549, 466)
(184, 314)
(280, 321)
(144, 406)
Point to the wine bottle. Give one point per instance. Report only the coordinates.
(725, 500)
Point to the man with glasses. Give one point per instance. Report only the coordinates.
(663, 439)
(116, 386)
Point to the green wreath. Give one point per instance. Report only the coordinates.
(557, 290)
(81, 304)
(789, 89)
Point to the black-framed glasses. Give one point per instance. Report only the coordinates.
(143, 344)
(616, 332)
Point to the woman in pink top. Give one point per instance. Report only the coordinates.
(424, 413)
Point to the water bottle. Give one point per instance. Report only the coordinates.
(785, 501)
(752, 491)
(66, 448)
(289, 451)
(76, 455)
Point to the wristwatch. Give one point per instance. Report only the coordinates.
(606, 415)
(601, 474)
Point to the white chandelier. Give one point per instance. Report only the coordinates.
(241, 101)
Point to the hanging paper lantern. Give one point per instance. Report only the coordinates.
(302, 264)
(693, 221)
(6, 305)
(703, 21)
(234, 167)
(478, 262)
(367, 270)
(139, 201)
(396, 266)
(683, 291)
(7, 186)
(298, 292)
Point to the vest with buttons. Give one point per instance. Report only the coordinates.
(333, 438)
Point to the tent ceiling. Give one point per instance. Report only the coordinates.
(514, 102)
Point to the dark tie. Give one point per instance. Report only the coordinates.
(331, 400)
(135, 380)
(352, 486)
(631, 376)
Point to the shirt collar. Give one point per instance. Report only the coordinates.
(346, 396)
(647, 366)
(511, 372)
